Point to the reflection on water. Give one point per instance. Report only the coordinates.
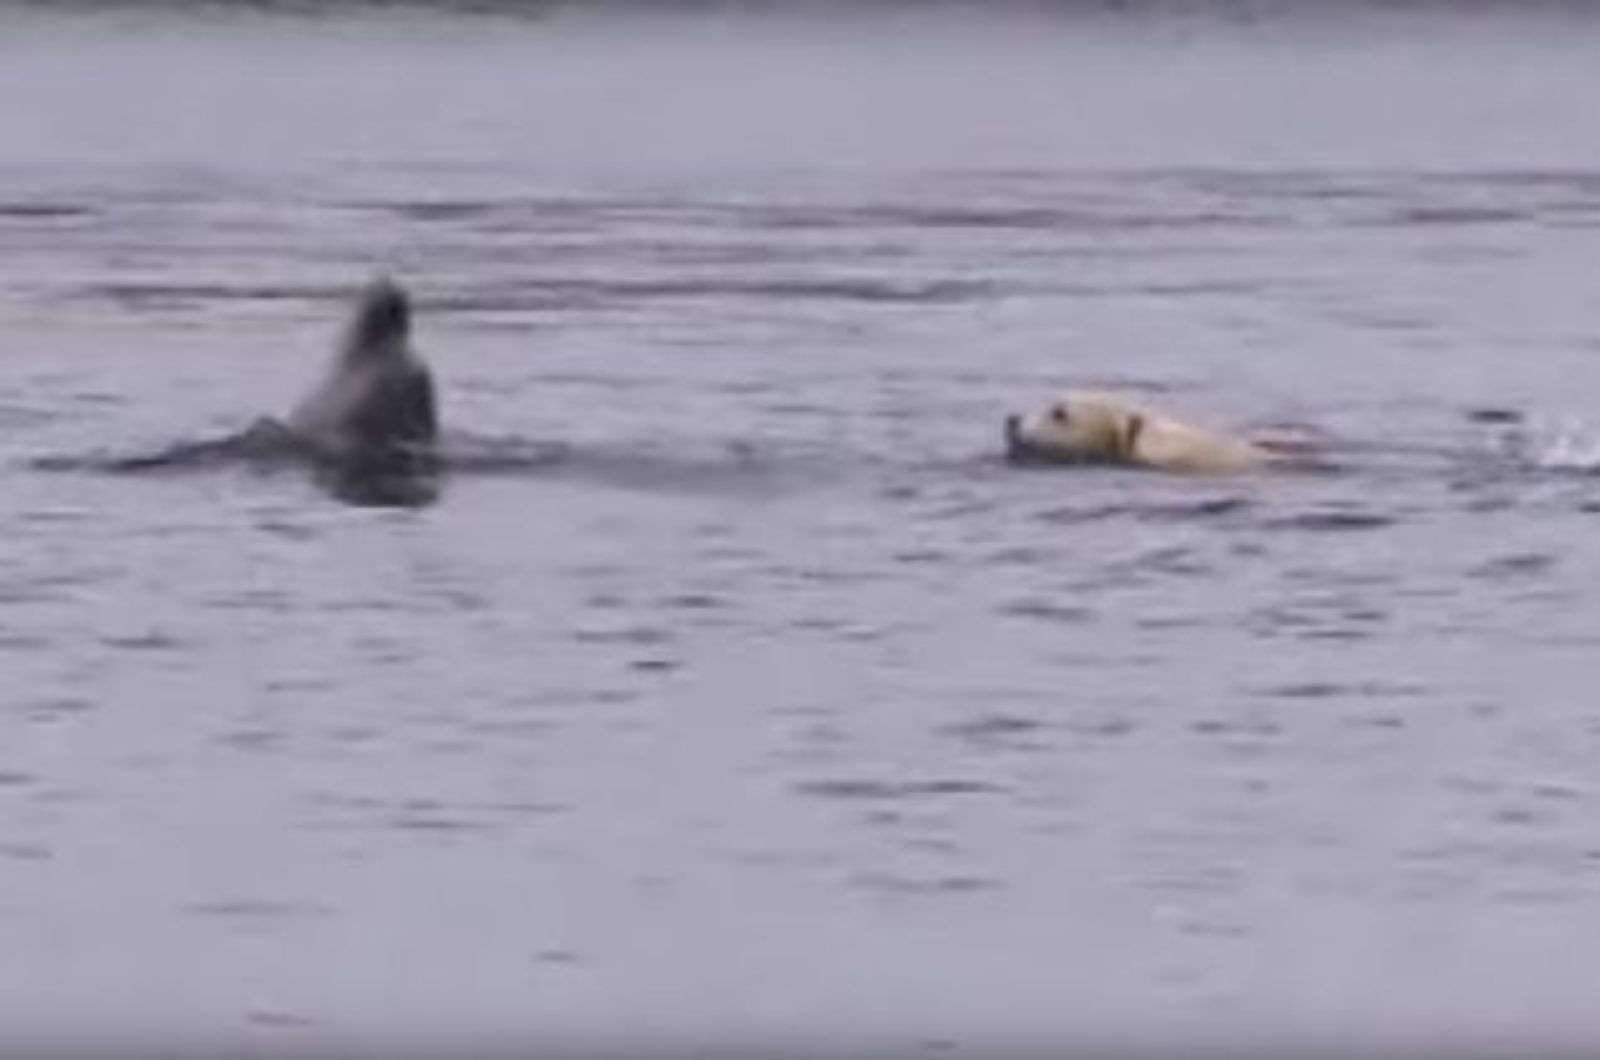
(733, 680)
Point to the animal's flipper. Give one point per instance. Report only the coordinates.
(263, 441)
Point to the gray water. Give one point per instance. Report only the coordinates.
(780, 711)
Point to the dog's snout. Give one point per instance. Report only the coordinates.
(1013, 425)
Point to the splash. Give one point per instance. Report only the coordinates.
(1568, 444)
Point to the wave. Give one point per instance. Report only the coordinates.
(1569, 444)
(412, 479)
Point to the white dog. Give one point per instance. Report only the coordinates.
(1089, 427)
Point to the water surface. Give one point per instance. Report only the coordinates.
(779, 710)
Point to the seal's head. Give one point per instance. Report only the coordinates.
(1075, 428)
(382, 321)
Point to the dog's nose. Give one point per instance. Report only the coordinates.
(1013, 426)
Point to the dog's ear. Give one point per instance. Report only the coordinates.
(1130, 437)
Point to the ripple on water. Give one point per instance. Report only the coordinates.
(54, 707)
(42, 210)
(1000, 732)
(257, 912)
(254, 739)
(1150, 511)
(695, 602)
(1046, 609)
(566, 293)
(864, 790)
(993, 726)
(1515, 567)
(907, 885)
(22, 643)
(151, 641)
(423, 816)
(1332, 519)
(430, 820)
(24, 851)
(1358, 690)
(201, 296)
(1238, 724)
(54, 587)
(626, 636)
(279, 1020)
(1182, 560)
(1325, 616)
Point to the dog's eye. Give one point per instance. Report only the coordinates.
(1058, 413)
